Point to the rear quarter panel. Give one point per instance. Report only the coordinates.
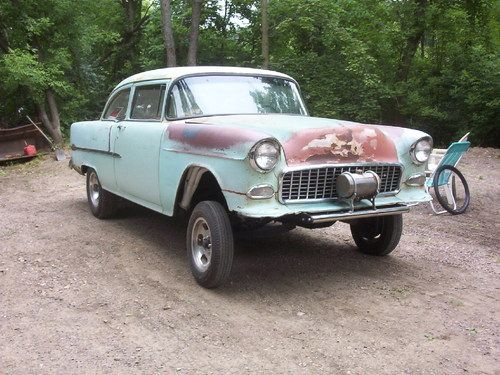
(90, 141)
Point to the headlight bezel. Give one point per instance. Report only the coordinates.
(413, 149)
(253, 154)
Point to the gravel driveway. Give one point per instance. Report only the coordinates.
(80, 295)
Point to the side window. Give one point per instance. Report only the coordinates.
(118, 105)
(148, 102)
(174, 104)
(181, 102)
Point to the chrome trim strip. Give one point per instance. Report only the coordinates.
(322, 218)
(113, 154)
(207, 154)
(319, 166)
(315, 166)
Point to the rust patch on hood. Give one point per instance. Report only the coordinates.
(342, 144)
(210, 136)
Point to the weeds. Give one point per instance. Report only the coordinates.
(400, 293)
(456, 303)
(20, 166)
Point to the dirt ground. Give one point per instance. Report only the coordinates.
(79, 295)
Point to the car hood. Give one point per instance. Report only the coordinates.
(305, 140)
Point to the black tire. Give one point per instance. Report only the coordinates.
(377, 235)
(210, 245)
(104, 206)
(443, 201)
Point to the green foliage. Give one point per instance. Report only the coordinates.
(347, 55)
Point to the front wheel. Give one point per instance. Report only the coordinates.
(377, 235)
(209, 243)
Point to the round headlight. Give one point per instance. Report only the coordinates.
(421, 150)
(264, 155)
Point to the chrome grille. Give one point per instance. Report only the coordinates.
(320, 183)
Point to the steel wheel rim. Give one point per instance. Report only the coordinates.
(94, 189)
(201, 244)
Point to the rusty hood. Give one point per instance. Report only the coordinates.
(309, 140)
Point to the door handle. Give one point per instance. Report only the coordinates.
(121, 127)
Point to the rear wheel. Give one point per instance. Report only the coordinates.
(209, 244)
(102, 203)
(377, 235)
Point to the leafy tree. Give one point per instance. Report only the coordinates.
(428, 64)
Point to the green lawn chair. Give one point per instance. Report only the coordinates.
(443, 176)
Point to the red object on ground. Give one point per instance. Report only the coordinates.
(30, 150)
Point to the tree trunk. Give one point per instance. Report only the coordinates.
(132, 10)
(415, 29)
(195, 30)
(265, 34)
(413, 40)
(42, 114)
(4, 43)
(168, 35)
(54, 115)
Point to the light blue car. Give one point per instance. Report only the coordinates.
(235, 149)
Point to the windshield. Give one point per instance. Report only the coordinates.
(223, 95)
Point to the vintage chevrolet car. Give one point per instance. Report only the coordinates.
(235, 149)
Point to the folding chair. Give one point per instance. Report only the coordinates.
(452, 156)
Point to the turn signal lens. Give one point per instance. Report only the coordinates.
(261, 192)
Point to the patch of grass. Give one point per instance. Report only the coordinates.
(429, 336)
(35, 162)
(402, 292)
(22, 167)
(8, 233)
(471, 330)
(456, 303)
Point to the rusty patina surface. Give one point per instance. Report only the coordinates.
(207, 135)
(340, 144)
(305, 140)
(13, 141)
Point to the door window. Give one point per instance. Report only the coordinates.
(148, 102)
(117, 107)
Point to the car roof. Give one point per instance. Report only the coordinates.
(173, 73)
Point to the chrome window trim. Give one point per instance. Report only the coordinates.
(319, 166)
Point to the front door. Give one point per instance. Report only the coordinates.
(137, 144)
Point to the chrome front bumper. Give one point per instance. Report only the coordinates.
(348, 215)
